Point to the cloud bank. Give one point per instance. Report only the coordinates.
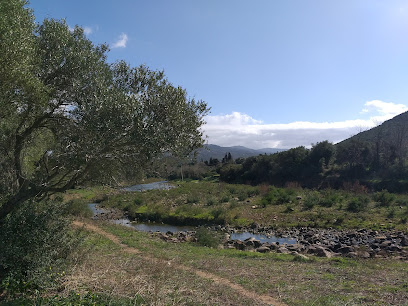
(240, 129)
(121, 42)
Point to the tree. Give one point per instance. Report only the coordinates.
(322, 153)
(68, 116)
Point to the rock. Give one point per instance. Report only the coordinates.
(364, 254)
(322, 252)
(283, 250)
(253, 242)
(345, 249)
(394, 248)
(254, 225)
(239, 245)
(263, 249)
(385, 244)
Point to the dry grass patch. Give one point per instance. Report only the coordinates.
(107, 269)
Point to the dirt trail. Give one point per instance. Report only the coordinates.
(218, 280)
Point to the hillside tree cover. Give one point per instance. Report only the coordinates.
(68, 116)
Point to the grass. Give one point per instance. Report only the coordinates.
(104, 274)
(317, 281)
(203, 202)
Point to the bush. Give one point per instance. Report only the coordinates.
(329, 198)
(311, 199)
(358, 204)
(224, 198)
(79, 208)
(384, 198)
(36, 241)
(277, 196)
(207, 238)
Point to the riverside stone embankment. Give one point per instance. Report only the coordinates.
(362, 243)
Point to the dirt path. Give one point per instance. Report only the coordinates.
(218, 280)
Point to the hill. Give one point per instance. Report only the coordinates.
(214, 151)
(392, 131)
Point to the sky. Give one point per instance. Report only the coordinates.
(276, 74)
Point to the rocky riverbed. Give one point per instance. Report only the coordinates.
(311, 241)
(362, 243)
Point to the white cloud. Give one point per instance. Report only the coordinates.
(385, 108)
(121, 42)
(88, 30)
(241, 129)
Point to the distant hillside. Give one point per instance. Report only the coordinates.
(218, 152)
(391, 131)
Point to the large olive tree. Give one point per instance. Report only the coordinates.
(67, 115)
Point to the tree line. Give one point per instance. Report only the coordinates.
(325, 165)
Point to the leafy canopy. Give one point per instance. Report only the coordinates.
(68, 116)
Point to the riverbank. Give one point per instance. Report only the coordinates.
(290, 279)
(328, 243)
(199, 203)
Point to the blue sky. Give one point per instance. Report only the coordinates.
(275, 73)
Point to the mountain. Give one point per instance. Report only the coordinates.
(392, 131)
(219, 152)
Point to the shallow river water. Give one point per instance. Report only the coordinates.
(159, 227)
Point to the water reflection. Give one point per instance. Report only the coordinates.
(163, 185)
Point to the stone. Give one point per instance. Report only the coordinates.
(345, 249)
(263, 249)
(322, 252)
(239, 245)
(394, 248)
(283, 250)
(364, 254)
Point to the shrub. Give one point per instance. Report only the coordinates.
(192, 198)
(210, 201)
(36, 241)
(384, 198)
(358, 204)
(277, 196)
(391, 213)
(242, 196)
(207, 238)
(329, 198)
(311, 199)
(224, 198)
(138, 201)
(79, 208)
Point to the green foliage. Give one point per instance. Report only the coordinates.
(211, 201)
(330, 197)
(69, 116)
(36, 243)
(358, 204)
(277, 196)
(79, 208)
(207, 238)
(224, 198)
(384, 198)
(312, 198)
